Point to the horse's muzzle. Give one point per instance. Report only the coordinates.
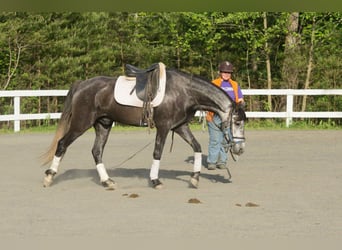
(238, 146)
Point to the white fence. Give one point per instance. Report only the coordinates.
(287, 115)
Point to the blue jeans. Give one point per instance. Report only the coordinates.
(216, 152)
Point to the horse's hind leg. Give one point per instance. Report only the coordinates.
(185, 132)
(62, 146)
(102, 129)
(73, 133)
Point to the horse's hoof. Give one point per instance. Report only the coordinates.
(156, 184)
(109, 184)
(194, 179)
(48, 179)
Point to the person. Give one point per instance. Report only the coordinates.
(217, 156)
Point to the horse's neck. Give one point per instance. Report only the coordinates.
(213, 98)
(205, 95)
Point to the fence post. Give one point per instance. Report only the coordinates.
(289, 109)
(16, 113)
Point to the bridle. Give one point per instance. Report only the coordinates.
(230, 138)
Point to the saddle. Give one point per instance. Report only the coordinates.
(147, 81)
(148, 89)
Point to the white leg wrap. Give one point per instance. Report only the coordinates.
(154, 169)
(197, 162)
(55, 163)
(102, 172)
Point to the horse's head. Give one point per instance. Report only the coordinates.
(238, 132)
(235, 136)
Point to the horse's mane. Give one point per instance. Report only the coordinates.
(201, 79)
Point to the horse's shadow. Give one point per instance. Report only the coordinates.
(141, 173)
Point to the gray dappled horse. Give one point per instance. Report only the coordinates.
(91, 103)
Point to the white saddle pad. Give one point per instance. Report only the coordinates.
(124, 95)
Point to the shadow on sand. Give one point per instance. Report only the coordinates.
(141, 173)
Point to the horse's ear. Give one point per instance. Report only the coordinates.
(240, 109)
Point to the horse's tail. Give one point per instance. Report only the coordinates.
(63, 125)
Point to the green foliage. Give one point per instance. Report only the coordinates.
(313, 124)
(54, 49)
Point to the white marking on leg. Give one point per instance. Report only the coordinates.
(154, 169)
(55, 163)
(102, 172)
(197, 162)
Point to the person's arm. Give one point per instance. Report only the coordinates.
(240, 96)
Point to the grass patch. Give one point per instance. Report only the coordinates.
(253, 124)
(297, 124)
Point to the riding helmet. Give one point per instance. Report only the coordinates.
(226, 67)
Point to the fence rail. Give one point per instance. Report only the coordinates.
(288, 114)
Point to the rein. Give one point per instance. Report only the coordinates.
(230, 139)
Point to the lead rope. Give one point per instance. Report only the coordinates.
(229, 175)
(229, 148)
(134, 154)
(228, 141)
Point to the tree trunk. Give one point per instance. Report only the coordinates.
(12, 68)
(290, 69)
(310, 64)
(250, 105)
(211, 69)
(178, 57)
(268, 64)
(247, 68)
(122, 57)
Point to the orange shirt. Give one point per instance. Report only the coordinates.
(218, 82)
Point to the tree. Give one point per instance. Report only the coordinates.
(258, 37)
(269, 50)
(322, 39)
(292, 58)
(310, 61)
(13, 44)
(268, 62)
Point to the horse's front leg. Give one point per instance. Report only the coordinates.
(102, 129)
(185, 132)
(194, 177)
(157, 153)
